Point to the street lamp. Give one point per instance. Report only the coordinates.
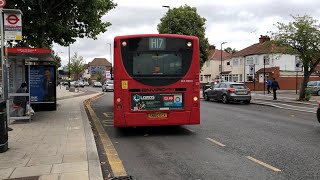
(169, 23)
(221, 60)
(69, 76)
(111, 61)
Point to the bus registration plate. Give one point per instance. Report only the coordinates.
(158, 115)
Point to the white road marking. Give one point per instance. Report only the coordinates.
(215, 142)
(263, 164)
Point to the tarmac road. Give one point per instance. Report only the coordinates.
(234, 141)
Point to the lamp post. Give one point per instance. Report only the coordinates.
(221, 60)
(69, 76)
(169, 21)
(111, 61)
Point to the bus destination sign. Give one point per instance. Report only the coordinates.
(157, 44)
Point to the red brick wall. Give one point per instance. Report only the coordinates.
(285, 83)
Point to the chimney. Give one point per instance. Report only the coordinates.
(263, 39)
(211, 47)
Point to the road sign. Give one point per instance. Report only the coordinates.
(2, 3)
(12, 26)
(12, 19)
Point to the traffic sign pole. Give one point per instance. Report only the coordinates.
(4, 94)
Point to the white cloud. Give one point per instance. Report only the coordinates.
(238, 22)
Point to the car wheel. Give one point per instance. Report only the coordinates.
(206, 98)
(225, 99)
(318, 93)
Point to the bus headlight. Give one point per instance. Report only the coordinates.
(124, 43)
(118, 100)
(195, 98)
(189, 44)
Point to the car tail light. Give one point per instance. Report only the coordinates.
(249, 90)
(232, 90)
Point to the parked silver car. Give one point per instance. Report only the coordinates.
(228, 91)
(108, 86)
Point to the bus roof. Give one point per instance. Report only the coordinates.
(156, 35)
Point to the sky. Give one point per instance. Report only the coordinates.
(237, 22)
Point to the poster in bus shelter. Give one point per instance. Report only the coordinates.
(42, 84)
(156, 101)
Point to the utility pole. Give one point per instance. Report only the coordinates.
(69, 78)
(169, 20)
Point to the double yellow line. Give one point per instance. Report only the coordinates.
(112, 155)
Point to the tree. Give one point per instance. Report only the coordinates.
(230, 50)
(76, 65)
(99, 76)
(57, 60)
(303, 36)
(185, 20)
(60, 21)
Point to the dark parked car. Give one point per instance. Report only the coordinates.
(228, 91)
(314, 86)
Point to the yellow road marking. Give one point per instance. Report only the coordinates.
(216, 142)
(112, 155)
(263, 164)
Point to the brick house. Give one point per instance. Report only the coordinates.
(211, 68)
(97, 66)
(264, 59)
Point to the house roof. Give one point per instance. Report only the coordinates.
(100, 62)
(267, 70)
(265, 46)
(215, 54)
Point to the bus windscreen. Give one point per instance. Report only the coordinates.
(157, 64)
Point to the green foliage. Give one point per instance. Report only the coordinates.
(307, 94)
(99, 76)
(76, 65)
(60, 21)
(185, 20)
(57, 61)
(230, 50)
(303, 36)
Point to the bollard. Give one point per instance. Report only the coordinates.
(3, 133)
(318, 112)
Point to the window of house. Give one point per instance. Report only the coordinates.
(249, 77)
(235, 62)
(220, 68)
(266, 60)
(240, 77)
(201, 78)
(235, 77)
(228, 63)
(241, 61)
(249, 60)
(256, 60)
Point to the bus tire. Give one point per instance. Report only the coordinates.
(318, 114)
(206, 98)
(225, 99)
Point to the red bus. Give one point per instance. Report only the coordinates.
(156, 80)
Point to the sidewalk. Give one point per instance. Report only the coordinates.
(288, 96)
(56, 145)
(284, 96)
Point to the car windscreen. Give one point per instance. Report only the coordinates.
(109, 82)
(312, 83)
(238, 86)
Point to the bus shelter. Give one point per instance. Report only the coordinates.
(36, 67)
